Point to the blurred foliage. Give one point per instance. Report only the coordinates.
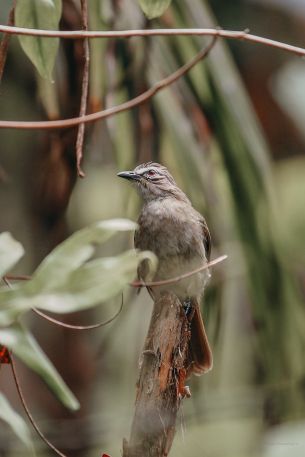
(16, 422)
(205, 130)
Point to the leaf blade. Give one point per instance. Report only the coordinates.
(39, 14)
(154, 8)
(77, 249)
(24, 345)
(10, 252)
(16, 422)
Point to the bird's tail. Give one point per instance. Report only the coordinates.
(200, 353)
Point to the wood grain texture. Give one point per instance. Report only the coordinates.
(160, 388)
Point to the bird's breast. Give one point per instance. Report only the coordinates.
(173, 233)
(169, 229)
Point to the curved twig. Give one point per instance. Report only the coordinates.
(66, 123)
(27, 411)
(79, 327)
(150, 283)
(178, 278)
(60, 323)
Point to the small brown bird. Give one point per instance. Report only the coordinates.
(171, 228)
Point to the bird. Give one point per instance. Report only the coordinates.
(178, 235)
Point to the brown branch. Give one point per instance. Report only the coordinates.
(7, 279)
(150, 283)
(160, 388)
(79, 327)
(84, 96)
(16, 278)
(179, 278)
(229, 34)
(59, 124)
(5, 40)
(27, 411)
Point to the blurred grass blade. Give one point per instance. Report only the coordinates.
(16, 422)
(98, 49)
(10, 252)
(39, 14)
(23, 344)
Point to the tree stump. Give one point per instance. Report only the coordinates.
(160, 388)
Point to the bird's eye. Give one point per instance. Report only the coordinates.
(150, 173)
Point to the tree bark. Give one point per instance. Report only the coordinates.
(160, 388)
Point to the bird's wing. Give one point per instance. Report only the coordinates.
(143, 268)
(206, 238)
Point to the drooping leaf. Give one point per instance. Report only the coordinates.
(39, 14)
(94, 282)
(154, 8)
(23, 344)
(65, 283)
(74, 251)
(10, 252)
(48, 93)
(16, 422)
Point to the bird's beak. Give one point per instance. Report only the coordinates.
(131, 175)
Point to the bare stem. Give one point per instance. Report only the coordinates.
(228, 34)
(78, 327)
(210, 264)
(57, 322)
(27, 411)
(142, 98)
(179, 278)
(84, 96)
(5, 41)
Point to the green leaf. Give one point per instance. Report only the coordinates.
(10, 252)
(74, 251)
(23, 344)
(65, 283)
(93, 283)
(154, 8)
(16, 422)
(45, 15)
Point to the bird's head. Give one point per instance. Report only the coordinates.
(153, 181)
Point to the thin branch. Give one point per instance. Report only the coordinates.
(5, 41)
(27, 411)
(151, 283)
(79, 327)
(84, 96)
(16, 278)
(229, 34)
(179, 278)
(65, 123)
(7, 279)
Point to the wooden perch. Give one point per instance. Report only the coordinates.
(160, 387)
